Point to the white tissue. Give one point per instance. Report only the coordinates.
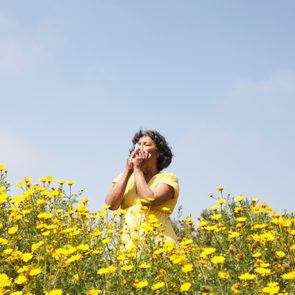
(137, 147)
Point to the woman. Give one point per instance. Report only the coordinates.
(143, 182)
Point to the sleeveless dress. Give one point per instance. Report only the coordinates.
(136, 216)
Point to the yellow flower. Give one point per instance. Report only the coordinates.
(2, 167)
(36, 246)
(203, 223)
(5, 281)
(83, 247)
(271, 288)
(247, 277)
(214, 208)
(73, 258)
(215, 216)
(102, 213)
(70, 182)
(106, 270)
(7, 251)
(239, 198)
(121, 257)
(289, 275)
(234, 235)
(177, 258)
(263, 271)
(259, 226)
(268, 210)
(238, 209)
(256, 255)
(186, 242)
(267, 236)
(241, 219)
(127, 267)
(217, 259)
(46, 233)
(135, 238)
(13, 230)
(223, 275)
(35, 271)
(26, 212)
(3, 241)
(187, 268)
(221, 201)
(20, 280)
(280, 254)
(189, 220)
(220, 188)
(44, 215)
(185, 287)
(144, 265)
(54, 292)
(261, 263)
(158, 286)
(16, 254)
(254, 200)
(207, 251)
(27, 257)
(236, 288)
(106, 240)
(93, 292)
(50, 179)
(140, 285)
(84, 200)
(23, 269)
(256, 209)
(3, 198)
(19, 184)
(41, 202)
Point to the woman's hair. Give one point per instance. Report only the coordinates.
(166, 155)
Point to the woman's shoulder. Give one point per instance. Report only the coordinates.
(168, 178)
(115, 180)
(167, 175)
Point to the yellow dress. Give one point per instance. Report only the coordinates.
(136, 216)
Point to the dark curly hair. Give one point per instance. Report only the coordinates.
(166, 155)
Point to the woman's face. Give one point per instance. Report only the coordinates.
(148, 145)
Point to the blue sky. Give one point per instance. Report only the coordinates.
(217, 78)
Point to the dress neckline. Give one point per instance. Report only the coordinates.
(153, 177)
(149, 180)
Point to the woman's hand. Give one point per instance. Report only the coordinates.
(129, 164)
(139, 158)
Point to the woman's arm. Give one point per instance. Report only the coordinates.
(160, 195)
(115, 196)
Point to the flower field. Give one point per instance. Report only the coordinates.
(50, 243)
